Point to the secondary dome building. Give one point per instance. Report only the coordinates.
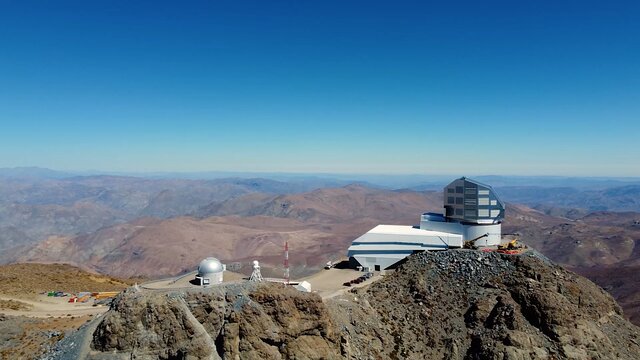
(472, 212)
(210, 272)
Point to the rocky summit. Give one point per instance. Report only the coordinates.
(460, 304)
(475, 305)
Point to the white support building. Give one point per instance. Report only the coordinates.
(210, 272)
(472, 212)
(385, 245)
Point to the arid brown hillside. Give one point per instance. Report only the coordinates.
(32, 209)
(32, 278)
(318, 226)
(621, 281)
(593, 240)
(28, 337)
(157, 248)
(603, 246)
(333, 205)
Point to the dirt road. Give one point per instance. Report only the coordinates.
(43, 306)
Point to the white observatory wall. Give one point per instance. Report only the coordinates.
(468, 232)
(214, 278)
(473, 231)
(447, 227)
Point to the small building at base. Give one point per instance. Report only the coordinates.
(472, 212)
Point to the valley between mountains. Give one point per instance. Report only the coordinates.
(134, 227)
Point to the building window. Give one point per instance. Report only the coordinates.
(459, 200)
(494, 202)
(483, 201)
(450, 200)
(470, 191)
(483, 212)
(459, 212)
(451, 190)
(469, 213)
(495, 213)
(459, 189)
(483, 192)
(469, 201)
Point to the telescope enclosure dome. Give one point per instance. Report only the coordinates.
(210, 265)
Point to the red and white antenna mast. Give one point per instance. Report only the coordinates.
(286, 262)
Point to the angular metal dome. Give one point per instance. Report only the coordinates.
(210, 265)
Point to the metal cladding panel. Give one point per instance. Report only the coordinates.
(383, 261)
(424, 240)
(470, 201)
(420, 238)
(390, 247)
(385, 249)
(468, 231)
(447, 227)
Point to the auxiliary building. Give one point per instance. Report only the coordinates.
(210, 272)
(472, 212)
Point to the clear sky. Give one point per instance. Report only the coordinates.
(482, 87)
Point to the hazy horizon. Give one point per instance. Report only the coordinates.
(392, 181)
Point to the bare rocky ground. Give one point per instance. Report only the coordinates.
(24, 337)
(446, 305)
(471, 305)
(42, 323)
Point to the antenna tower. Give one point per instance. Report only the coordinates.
(256, 275)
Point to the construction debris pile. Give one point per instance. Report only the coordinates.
(466, 266)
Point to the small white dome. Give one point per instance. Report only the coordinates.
(210, 265)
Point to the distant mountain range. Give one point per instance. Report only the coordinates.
(620, 198)
(395, 181)
(32, 172)
(318, 225)
(33, 208)
(130, 226)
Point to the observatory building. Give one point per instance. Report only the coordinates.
(210, 272)
(472, 212)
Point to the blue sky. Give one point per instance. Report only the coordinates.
(545, 88)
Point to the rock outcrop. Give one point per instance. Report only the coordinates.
(231, 322)
(445, 305)
(474, 305)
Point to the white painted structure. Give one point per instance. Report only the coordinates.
(210, 272)
(256, 275)
(472, 212)
(385, 245)
(468, 231)
(304, 286)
